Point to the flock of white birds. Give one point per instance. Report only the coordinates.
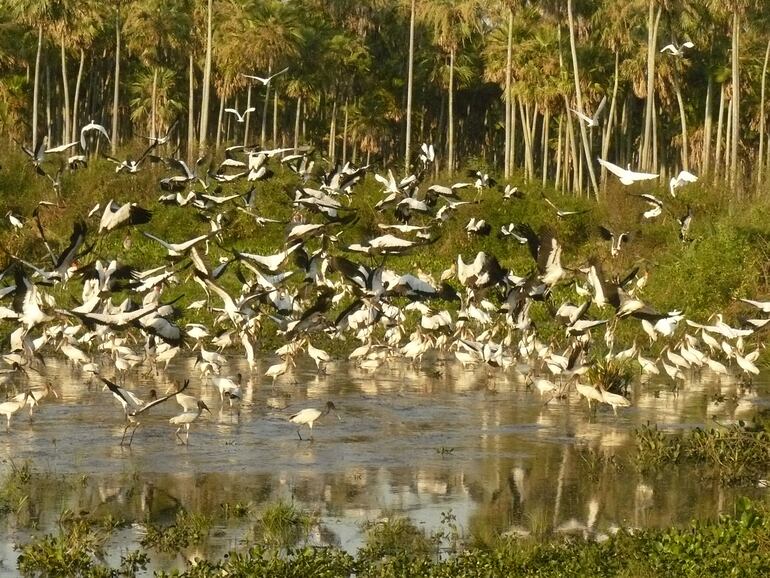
(317, 285)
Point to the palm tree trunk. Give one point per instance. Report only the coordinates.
(191, 109)
(736, 103)
(652, 40)
(450, 115)
(36, 88)
(409, 82)
(683, 119)
(220, 119)
(345, 134)
(333, 131)
(48, 113)
(296, 124)
(507, 100)
(557, 177)
(761, 156)
(206, 82)
(546, 122)
(263, 134)
(153, 122)
(579, 100)
(707, 122)
(76, 99)
(65, 91)
(728, 140)
(720, 120)
(248, 116)
(116, 93)
(275, 117)
(607, 137)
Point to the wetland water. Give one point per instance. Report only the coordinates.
(419, 442)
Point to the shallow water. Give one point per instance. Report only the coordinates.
(422, 442)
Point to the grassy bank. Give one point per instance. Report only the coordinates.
(725, 259)
(733, 545)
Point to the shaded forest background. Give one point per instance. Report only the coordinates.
(492, 83)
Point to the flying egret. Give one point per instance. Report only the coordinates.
(240, 117)
(265, 81)
(309, 416)
(680, 180)
(675, 50)
(626, 176)
(594, 120)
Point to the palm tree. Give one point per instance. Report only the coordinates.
(156, 33)
(452, 22)
(206, 78)
(39, 14)
(409, 85)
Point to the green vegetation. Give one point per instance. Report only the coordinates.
(732, 545)
(737, 454)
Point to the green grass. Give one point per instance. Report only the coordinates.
(727, 258)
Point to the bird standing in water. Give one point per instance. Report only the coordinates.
(310, 415)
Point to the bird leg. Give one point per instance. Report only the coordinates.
(298, 434)
(125, 429)
(178, 436)
(131, 439)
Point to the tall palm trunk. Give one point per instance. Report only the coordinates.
(720, 121)
(736, 103)
(707, 122)
(579, 100)
(653, 22)
(76, 98)
(36, 88)
(683, 120)
(296, 124)
(248, 116)
(65, 91)
(190, 109)
(263, 133)
(409, 82)
(761, 156)
(345, 134)
(116, 92)
(154, 109)
(450, 115)
(507, 100)
(607, 137)
(275, 117)
(206, 82)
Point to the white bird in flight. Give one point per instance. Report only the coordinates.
(90, 127)
(681, 179)
(265, 81)
(675, 50)
(240, 117)
(594, 120)
(627, 176)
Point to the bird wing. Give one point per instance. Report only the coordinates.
(669, 48)
(583, 117)
(600, 108)
(606, 233)
(613, 168)
(161, 399)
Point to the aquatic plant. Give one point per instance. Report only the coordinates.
(282, 525)
(612, 374)
(187, 529)
(736, 454)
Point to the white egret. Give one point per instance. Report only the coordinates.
(627, 176)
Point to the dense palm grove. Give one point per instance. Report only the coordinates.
(489, 82)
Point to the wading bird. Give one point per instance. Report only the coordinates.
(186, 419)
(310, 415)
(133, 406)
